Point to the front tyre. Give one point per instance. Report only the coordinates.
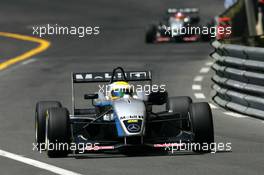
(40, 119)
(151, 34)
(202, 127)
(58, 132)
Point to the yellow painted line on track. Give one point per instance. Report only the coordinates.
(43, 45)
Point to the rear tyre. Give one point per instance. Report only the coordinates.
(202, 127)
(58, 132)
(40, 119)
(180, 105)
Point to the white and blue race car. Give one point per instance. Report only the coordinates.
(122, 119)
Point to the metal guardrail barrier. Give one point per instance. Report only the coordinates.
(239, 78)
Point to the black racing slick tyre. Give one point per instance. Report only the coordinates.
(58, 132)
(151, 34)
(180, 105)
(40, 119)
(206, 37)
(202, 127)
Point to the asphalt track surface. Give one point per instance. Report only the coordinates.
(120, 43)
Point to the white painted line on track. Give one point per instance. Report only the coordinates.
(198, 78)
(209, 63)
(233, 114)
(213, 106)
(199, 95)
(205, 70)
(37, 164)
(196, 87)
(28, 61)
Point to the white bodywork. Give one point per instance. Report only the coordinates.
(131, 114)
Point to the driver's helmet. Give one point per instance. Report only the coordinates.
(119, 89)
(179, 16)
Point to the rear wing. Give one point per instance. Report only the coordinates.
(98, 77)
(183, 10)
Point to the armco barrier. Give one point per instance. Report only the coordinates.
(239, 78)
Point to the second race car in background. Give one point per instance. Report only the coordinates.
(168, 29)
